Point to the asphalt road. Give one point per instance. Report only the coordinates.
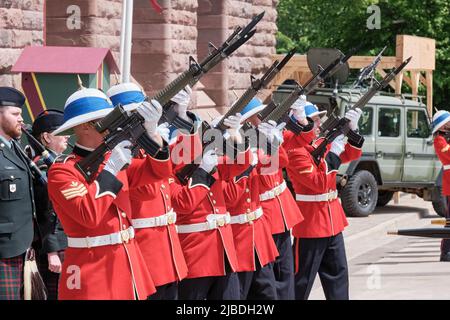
(394, 267)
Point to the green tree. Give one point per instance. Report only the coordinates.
(342, 24)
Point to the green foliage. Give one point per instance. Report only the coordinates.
(342, 24)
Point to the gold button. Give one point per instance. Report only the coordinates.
(163, 186)
(248, 210)
(214, 201)
(124, 214)
(211, 194)
(247, 190)
(248, 200)
(277, 183)
(124, 226)
(217, 210)
(167, 196)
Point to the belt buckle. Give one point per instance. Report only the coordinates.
(277, 190)
(125, 236)
(251, 216)
(220, 222)
(87, 242)
(170, 219)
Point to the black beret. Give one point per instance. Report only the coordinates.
(11, 97)
(47, 121)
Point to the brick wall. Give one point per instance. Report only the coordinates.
(21, 24)
(162, 43)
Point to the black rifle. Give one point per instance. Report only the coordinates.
(186, 172)
(335, 126)
(368, 71)
(37, 146)
(269, 113)
(35, 171)
(122, 125)
(278, 112)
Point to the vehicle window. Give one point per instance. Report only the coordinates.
(417, 124)
(366, 121)
(388, 122)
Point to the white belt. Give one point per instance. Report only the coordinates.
(213, 221)
(273, 193)
(446, 167)
(114, 238)
(318, 197)
(163, 220)
(247, 217)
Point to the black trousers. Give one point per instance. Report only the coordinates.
(283, 266)
(325, 256)
(259, 284)
(445, 243)
(211, 288)
(167, 291)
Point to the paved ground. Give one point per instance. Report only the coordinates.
(394, 267)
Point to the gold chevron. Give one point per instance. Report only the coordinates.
(307, 170)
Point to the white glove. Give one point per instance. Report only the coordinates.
(209, 161)
(234, 124)
(182, 100)
(338, 145)
(151, 112)
(254, 156)
(120, 157)
(164, 131)
(298, 108)
(353, 116)
(272, 130)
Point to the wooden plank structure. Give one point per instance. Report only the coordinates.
(419, 70)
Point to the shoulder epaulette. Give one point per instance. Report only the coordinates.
(62, 158)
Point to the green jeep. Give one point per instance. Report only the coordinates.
(398, 153)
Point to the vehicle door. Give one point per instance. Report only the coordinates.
(389, 143)
(419, 161)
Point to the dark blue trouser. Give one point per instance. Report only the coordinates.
(445, 243)
(167, 291)
(259, 284)
(283, 266)
(325, 256)
(210, 288)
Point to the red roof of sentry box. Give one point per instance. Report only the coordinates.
(49, 59)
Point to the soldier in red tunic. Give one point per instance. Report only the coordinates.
(153, 214)
(319, 244)
(441, 127)
(277, 201)
(255, 248)
(103, 260)
(203, 223)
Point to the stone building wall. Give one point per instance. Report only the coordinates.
(21, 24)
(162, 43)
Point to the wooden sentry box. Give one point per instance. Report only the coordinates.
(49, 74)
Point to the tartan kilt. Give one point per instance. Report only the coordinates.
(11, 278)
(51, 279)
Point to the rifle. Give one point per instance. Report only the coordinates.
(122, 125)
(269, 113)
(186, 172)
(278, 112)
(35, 171)
(46, 156)
(368, 71)
(335, 126)
(196, 70)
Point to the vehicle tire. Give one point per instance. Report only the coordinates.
(440, 206)
(360, 195)
(384, 197)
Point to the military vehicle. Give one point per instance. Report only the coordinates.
(398, 153)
